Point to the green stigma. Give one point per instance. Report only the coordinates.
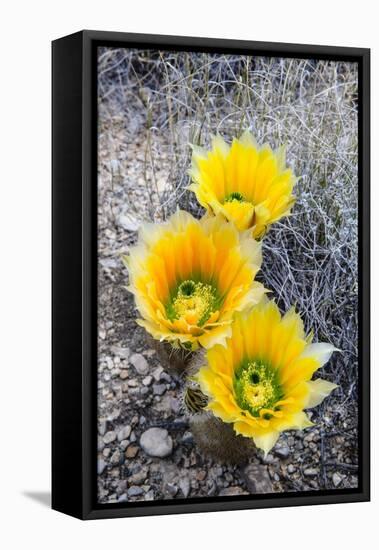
(235, 196)
(195, 301)
(187, 288)
(257, 387)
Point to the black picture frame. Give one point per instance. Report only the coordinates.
(74, 295)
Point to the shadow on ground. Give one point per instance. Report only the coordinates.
(42, 497)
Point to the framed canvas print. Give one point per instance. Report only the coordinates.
(210, 275)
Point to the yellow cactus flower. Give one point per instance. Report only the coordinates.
(189, 276)
(261, 382)
(249, 185)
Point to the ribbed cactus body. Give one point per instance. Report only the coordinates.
(217, 440)
(174, 360)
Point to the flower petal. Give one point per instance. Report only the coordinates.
(319, 389)
(320, 351)
(266, 441)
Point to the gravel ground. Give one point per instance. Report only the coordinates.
(136, 394)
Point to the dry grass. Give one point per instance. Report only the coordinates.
(156, 103)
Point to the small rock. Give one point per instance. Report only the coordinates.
(122, 486)
(101, 464)
(109, 263)
(109, 363)
(257, 478)
(139, 363)
(122, 498)
(201, 475)
(134, 491)
(232, 491)
(165, 377)
(120, 352)
(337, 479)
(187, 438)
(176, 405)
(123, 374)
(124, 433)
(114, 414)
(156, 442)
(171, 489)
(115, 458)
(311, 472)
(157, 373)
(159, 389)
(139, 477)
(147, 380)
(164, 404)
(109, 437)
(185, 486)
(128, 222)
(131, 451)
(291, 469)
(102, 427)
(212, 489)
(282, 452)
(115, 166)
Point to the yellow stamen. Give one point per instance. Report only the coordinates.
(195, 302)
